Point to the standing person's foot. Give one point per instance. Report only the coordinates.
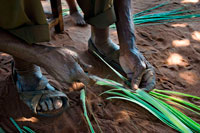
(78, 19)
(101, 44)
(132, 63)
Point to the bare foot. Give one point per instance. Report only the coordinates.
(78, 19)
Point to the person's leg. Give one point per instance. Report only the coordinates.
(134, 64)
(58, 62)
(100, 38)
(74, 13)
(100, 14)
(28, 78)
(29, 74)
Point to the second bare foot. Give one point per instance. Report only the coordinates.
(78, 19)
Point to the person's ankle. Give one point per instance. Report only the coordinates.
(28, 80)
(105, 47)
(44, 55)
(100, 37)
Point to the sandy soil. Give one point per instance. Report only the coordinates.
(173, 49)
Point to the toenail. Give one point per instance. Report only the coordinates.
(58, 104)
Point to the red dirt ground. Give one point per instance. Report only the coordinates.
(173, 49)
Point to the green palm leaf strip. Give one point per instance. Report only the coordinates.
(177, 100)
(28, 129)
(147, 17)
(162, 14)
(19, 129)
(175, 120)
(178, 104)
(137, 99)
(82, 97)
(185, 119)
(150, 9)
(165, 18)
(177, 93)
(16, 125)
(1, 130)
(149, 108)
(143, 104)
(116, 72)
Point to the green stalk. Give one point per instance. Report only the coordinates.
(153, 24)
(128, 95)
(91, 112)
(114, 82)
(166, 18)
(28, 129)
(107, 82)
(16, 125)
(164, 110)
(176, 104)
(116, 72)
(160, 15)
(188, 121)
(110, 91)
(150, 9)
(133, 98)
(177, 93)
(164, 22)
(1, 130)
(82, 97)
(110, 85)
(65, 12)
(177, 100)
(148, 107)
(23, 131)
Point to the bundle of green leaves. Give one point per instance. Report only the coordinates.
(156, 15)
(154, 102)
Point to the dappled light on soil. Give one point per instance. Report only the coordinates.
(181, 43)
(32, 119)
(76, 86)
(180, 25)
(196, 35)
(189, 1)
(176, 59)
(190, 77)
(123, 115)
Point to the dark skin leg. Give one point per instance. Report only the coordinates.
(62, 64)
(29, 76)
(132, 61)
(124, 25)
(100, 38)
(137, 68)
(74, 13)
(57, 61)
